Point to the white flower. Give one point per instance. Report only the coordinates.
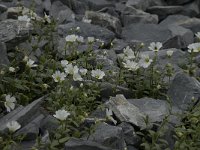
(131, 65)
(86, 20)
(90, 39)
(98, 74)
(83, 71)
(145, 61)
(77, 77)
(155, 46)
(47, 18)
(70, 69)
(59, 76)
(80, 39)
(25, 59)
(64, 63)
(197, 35)
(109, 115)
(170, 53)
(74, 38)
(13, 126)
(61, 114)
(10, 102)
(30, 63)
(24, 18)
(11, 69)
(71, 38)
(128, 52)
(194, 47)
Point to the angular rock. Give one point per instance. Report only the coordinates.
(131, 15)
(109, 136)
(130, 137)
(3, 8)
(3, 55)
(184, 21)
(178, 2)
(191, 9)
(61, 13)
(181, 37)
(139, 4)
(182, 91)
(156, 109)
(110, 10)
(125, 111)
(97, 4)
(22, 114)
(87, 30)
(31, 130)
(164, 11)
(79, 144)
(105, 20)
(13, 32)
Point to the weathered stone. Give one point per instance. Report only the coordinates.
(177, 2)
(61, 13)
(96, 4)
(125, 111)
(139, 4)
(105, 20)
(131, 15)
(22, 114)
(3, 55)
(109, 136)
(131, 138)
(3, 8)
(79, 144)
(87, 30)
(110, 10)
(156, 109)
(191, 9)
(182, 91)
(13, 32)
(164, 11)
(184, 21)
(31, 130)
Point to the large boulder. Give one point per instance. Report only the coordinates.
(61, 13)
(80, 144)
(109, 136)
(105, 20)
(184, 91)
(164, 11)
(132, 15)
(126, 112)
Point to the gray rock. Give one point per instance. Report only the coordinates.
(105, 20)
(61, 13)
(79, 144)
(139, 4)
(3, 55)
(131, 138)
(119, 45)
(184, 21)
(181, 37)
(47, 5)
(125, 111)
(3, 8)
(191, 9)
(22, 114)
(87, 30)
(156, 109)
(31, 130)
(182, 90)
(13, 32)
(164, 11)
(97, 4)
(131, 15)
(109, 136)
(131, 148)
(146, 33)
(178, 2)
(110, 10)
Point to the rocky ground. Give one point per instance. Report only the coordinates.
(118, 23)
